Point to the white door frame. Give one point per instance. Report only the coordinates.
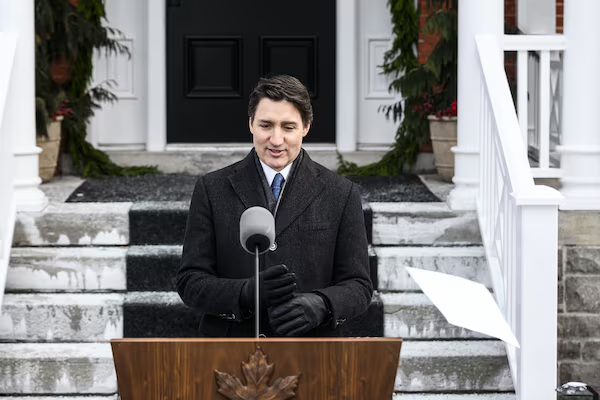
(346, 76)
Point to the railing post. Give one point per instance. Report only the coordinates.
(474, 17)
(580, 149)
(537, 260)
(18, 16)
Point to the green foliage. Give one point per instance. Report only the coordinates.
(72, 34)
(436, 79)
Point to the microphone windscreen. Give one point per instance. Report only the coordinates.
(257, 229)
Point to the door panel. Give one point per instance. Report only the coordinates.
(217, 51)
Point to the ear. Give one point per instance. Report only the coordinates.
(250, 125)
(306, 129)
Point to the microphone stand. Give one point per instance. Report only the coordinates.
(257, 297)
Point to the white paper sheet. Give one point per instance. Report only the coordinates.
(464, 303)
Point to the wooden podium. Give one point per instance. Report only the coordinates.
(244, 369)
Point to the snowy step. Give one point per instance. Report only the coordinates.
(75, 397)
(423, 224)
(61, 317)
(163, 314)
(87, 368)
(413, 316)
(66, 269)
(57, 368)
(74, 224)
(465, 262)
(453, 366)
(451, 396)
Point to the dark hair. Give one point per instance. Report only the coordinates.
(282, 87)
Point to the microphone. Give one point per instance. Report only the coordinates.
(257, 234)
(257, 230)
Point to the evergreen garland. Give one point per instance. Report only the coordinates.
(73, 33)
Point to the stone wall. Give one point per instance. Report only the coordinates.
(579, 297)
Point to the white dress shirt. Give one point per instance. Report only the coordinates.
(270, 172)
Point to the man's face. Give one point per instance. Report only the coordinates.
(277, 131)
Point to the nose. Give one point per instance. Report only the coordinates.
(276, 137)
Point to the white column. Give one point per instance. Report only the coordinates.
(474, 17)
(346, 121)
(157, 76)
(18, 16)
(580, 150)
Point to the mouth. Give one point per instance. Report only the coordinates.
(275, 153)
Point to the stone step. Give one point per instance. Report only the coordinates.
(107, 397)
(453, 366)
(70, 269)
(163, 314)
(153, 223)
(158, 314)
(74, 224)
(413, 316)
(154, 268)
(61, 317)
(454, 396)
(466, 262)
(423, 224)
(57, 368)
(87, 368)
(101, 269)
(163, 223)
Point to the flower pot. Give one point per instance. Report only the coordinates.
(48, 158)
(443, 138)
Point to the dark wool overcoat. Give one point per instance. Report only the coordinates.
(320, 235)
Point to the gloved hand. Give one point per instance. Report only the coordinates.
(276, 285)
(301, 314)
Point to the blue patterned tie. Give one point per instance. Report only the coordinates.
(276, 185)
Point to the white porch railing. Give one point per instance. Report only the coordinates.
(539, 80)
(519, 227)
(8, 44)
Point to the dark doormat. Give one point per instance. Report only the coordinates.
(179, 187)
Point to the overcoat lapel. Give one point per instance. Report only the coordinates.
(247, 184)
(303, 189)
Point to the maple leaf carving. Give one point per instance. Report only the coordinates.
(257, 373)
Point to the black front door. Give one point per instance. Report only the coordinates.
(218, 49)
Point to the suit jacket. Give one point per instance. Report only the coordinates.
(320, 235)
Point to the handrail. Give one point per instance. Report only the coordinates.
(538, 96)
(519, 227)
(8, 44)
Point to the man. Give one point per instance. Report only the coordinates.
(316, 275)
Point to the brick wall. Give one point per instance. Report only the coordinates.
(559, 16)
(427, 42)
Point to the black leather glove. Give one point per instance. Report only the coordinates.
(277, 285)
(304, 312)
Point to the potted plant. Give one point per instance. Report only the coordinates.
(443, 133)
(49, 139)
(67, 33)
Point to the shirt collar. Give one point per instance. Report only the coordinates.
(270, 172)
